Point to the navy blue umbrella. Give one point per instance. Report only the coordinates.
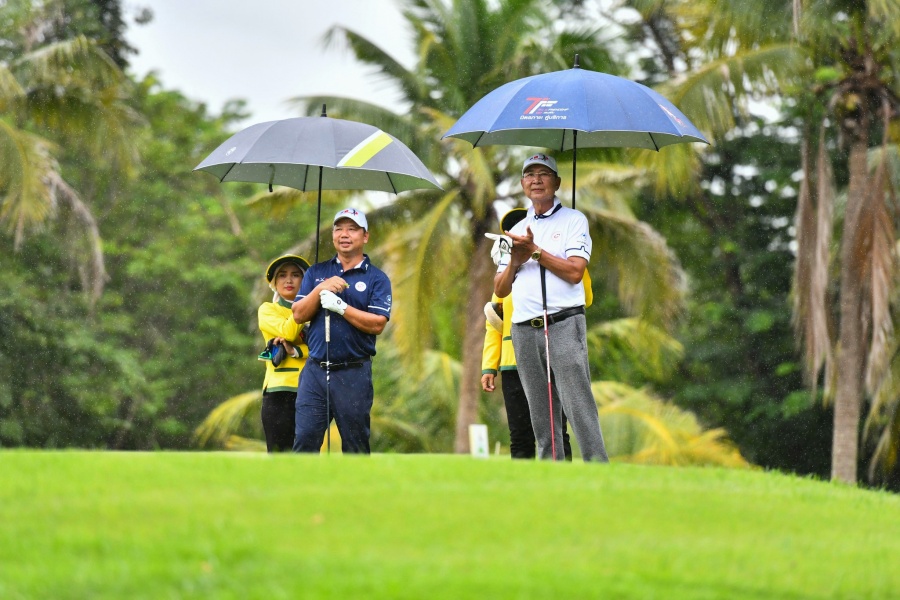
(567, 109)
(575, 108)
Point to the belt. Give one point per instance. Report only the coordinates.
(346, 364)
(554, 318)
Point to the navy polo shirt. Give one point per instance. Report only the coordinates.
(370, 290)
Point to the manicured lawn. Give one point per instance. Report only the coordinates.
(90, 525)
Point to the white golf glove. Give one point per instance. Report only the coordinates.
(502, 246)
(331, 302)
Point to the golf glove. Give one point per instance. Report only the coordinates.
(502, 246)
(331, 302)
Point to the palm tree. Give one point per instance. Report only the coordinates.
(72, 92)
(467, 49)
(856, 61)
(837, 62)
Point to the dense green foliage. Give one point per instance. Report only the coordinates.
(147, 362)
(134, 351)
(741, 368)
(192, 525)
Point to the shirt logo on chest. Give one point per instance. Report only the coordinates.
(360, 286)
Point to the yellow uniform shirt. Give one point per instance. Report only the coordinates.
(277, 320)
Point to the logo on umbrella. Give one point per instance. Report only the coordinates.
(542, 109)
(537, 104)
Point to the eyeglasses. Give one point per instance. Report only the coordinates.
(538, 175)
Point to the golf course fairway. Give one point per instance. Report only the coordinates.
(97, 525)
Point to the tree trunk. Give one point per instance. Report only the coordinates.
(851, 349)
(481, 277)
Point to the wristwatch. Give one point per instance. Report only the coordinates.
(536, 255)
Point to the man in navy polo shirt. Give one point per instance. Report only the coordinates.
(357, 297)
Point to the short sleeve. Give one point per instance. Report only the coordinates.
(306, 285)
(380, 298)
(578, 242)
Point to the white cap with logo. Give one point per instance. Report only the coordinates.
(354, 215)
(540, 159)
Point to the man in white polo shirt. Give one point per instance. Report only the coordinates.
(551, 243)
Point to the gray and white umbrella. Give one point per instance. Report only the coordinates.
(320, 153)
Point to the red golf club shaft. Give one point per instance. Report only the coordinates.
(549, 386)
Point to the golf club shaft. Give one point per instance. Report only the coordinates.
(547, 352)
(328, 381)
(549, 385)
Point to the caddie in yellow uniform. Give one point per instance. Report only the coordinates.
(276, 323)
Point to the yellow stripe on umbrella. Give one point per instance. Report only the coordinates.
(365, 150)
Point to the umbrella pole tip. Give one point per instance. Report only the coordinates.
(323, 111)
(577, 66)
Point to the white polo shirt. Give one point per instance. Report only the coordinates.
(563, 232)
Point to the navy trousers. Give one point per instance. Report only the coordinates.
(350, 395)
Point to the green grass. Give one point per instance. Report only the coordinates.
(88, 525)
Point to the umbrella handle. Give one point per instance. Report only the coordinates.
(574, 152)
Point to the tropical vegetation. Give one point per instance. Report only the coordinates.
(744, 292)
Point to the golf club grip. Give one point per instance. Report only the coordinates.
(327, 327)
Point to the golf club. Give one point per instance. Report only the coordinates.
(547, 351)
(327, 381)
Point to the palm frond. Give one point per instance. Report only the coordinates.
(418, 267)
(886, 396)
(25, 163)
(646, 349)
(747, 23)
(881, 272)
(367, 52)
(645, 272)
(72, 62)
(814, 224)
(714, 93)
(75, 88)
(674, 170)
(83, 229)
(280, 202)
(612, 184)
(11, 91)
(883, 420)
(639, 428)
(415, 407)
(884, 13)
(219, 426)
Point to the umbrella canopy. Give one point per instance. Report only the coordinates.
(571, 109)
(354, 156)
(564, 110)
(319, 153)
